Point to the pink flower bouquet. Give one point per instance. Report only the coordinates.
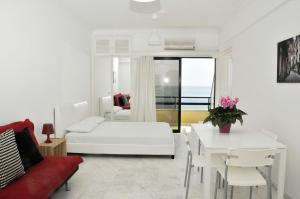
(226, 113)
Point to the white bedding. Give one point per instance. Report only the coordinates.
(112, 137)
(135, 133)
(120, 115)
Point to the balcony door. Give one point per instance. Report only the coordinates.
(197, 89)
(168, 91)
(184, 88)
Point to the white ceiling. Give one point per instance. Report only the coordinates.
(101, 14)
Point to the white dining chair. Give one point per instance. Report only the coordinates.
(195, 159)
(240, 170)
(274, 136)
(195, 145)
(192, 161)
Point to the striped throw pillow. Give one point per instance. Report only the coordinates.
(10, 162)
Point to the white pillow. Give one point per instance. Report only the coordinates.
(95, 119)
(117, 109)
(82, 126)
(106, 104)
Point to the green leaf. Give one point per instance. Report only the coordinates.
(220, 116)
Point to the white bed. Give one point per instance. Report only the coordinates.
(108, 137)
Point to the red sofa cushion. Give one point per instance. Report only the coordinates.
(42, 180)
(18, 127)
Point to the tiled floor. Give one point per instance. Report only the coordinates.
(120, 177)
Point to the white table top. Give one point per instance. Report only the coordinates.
(239, 137)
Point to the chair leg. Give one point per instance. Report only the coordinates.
(250, 195)
(186, 171)
(199, 150)
(225, 190)
(216, 185)
(199, 147)
(231, 194)
(67, 187)
(188, 182)
(226, 182)
(269, 182)
(219, 176)
(201, 174)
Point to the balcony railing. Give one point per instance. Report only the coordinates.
(172, 102)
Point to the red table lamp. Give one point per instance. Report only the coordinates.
(48, 129)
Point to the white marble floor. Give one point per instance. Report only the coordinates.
(133, 177)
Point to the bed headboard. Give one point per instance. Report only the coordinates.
(68, 114)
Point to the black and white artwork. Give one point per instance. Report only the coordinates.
(288, 60)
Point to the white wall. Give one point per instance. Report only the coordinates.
(269, 104)
(124, 77)
(224, 74)
(44, 60)
(248, 16)
(103, 79)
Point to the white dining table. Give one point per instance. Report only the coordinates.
(214, 142)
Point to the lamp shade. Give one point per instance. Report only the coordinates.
(48, 129)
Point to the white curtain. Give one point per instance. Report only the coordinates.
(143, 90)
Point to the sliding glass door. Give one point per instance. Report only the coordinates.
(197, 89)
(168, 91)
(185, 89)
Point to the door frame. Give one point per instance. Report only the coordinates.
(179, 88)
(180, 81)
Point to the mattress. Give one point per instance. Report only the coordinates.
(137, 133)
(120, 115)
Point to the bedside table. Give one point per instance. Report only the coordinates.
(58, 147)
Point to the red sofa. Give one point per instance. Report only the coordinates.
(44, 178)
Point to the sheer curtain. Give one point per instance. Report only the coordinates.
(143, 90)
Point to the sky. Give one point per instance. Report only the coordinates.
(198, 72)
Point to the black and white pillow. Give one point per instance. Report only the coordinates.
(10, 162)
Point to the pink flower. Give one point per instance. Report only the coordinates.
(231, 103)
(224, 104)
(236, 100)
(228, 102)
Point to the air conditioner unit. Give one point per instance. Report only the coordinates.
(180, 44)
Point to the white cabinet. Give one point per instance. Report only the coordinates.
(112, 45)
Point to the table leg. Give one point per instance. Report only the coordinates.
(281, 174)
(207, 176)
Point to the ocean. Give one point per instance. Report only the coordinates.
(195, 91)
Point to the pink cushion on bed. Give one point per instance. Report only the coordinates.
(116, 99)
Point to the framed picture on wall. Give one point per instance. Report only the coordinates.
(288, 61)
